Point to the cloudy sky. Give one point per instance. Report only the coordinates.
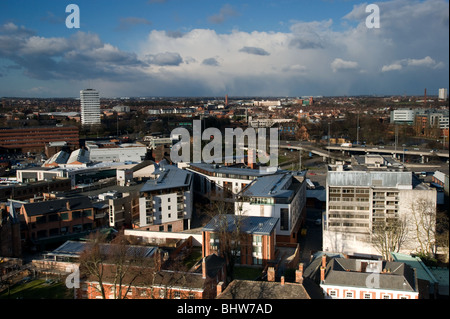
(213, 48)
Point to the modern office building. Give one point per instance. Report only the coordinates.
(90, 107)
(358, 201)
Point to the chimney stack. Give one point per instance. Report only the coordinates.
(299, 274)
(322, 274)
(219, 288)
(324, 260)
(282, 280)
(68, 205)
(271, 274)
(204, 268)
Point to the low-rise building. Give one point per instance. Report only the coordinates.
(353, 278)
(252, 239)
(57, 220)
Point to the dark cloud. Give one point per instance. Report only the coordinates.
(227, 11)
(165, 59)
(81, 56)
(211, 62)
(254, 50)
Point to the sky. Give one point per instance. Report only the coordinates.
(212, 48)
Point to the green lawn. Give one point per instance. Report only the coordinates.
(246, 273)
(38, 289)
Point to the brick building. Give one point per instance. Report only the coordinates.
(256, 238)
(57, 220)
(352, 278)
(162, 284)
(34, 139)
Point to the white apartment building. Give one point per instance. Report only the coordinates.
(281, 195)
(119, 153)
(357, 200)
(165, 203)
(443, 93)
(218, 180)
(403, 116)
(90, 107)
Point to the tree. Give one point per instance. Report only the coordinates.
(228, 228)
(423, 214)
(389, 236)
(115, 263)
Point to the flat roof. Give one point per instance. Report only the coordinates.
(169, 176)
(255, 225)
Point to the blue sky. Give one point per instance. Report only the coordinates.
(205, 47)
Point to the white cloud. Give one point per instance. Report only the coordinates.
(339, 64)
(426, 62)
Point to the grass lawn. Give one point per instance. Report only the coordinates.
(246, 273)
(38, 289)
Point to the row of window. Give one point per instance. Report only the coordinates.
(61, 231)
(63, 216)
(367, 295)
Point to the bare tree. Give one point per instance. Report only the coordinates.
(389, 236)
(423, 214)
(115, 264)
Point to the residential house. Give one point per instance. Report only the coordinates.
(357, 278)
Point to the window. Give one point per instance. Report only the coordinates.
(333, 293)
(53, 218)
(162, 293)
(349, 295)
(41, 220)
(177, 295)
(76, 214)
(386, 297)
(284, 219)
(367, 296)
(87, 213)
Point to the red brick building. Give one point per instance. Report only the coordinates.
(56, 220)
(34, 139)
(256, 239)
(164, 284)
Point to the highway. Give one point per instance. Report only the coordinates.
(307, 146)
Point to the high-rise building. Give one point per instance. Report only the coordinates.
(443, 94)
(90, 107)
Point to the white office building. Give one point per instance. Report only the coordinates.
(443, 94)
(359, 200)
(90, 107)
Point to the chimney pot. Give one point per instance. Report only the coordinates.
(324, 261)
(282, 280)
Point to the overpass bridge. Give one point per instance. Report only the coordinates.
(330, 151)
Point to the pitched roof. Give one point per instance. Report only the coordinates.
(247, 289)
(57, 206)
(351, 272)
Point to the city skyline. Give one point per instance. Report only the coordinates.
(204, 48)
